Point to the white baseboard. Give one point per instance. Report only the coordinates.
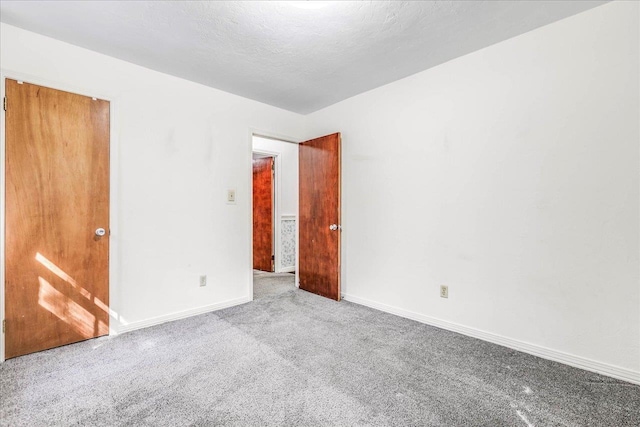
(177, 315)
(536, 350)
(291, 269)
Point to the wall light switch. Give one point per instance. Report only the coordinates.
(231, 196)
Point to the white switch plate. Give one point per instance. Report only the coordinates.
(231, 196)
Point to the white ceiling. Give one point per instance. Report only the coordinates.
(300, 57)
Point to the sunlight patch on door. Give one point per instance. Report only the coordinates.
(70, 280)
(66, 310)
(61, 274)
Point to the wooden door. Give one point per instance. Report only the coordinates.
(263, 214)
(319, 223)
(57, 196)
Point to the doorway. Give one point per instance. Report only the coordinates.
(275, 170)
(307, 183)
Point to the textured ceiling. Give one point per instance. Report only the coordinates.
(300, 57)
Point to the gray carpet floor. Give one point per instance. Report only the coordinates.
(293, 358)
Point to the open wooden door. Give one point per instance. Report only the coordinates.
(319, 223)
(263, 258)
(57, 218)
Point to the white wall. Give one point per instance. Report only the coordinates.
(512, 176)
(181, 145)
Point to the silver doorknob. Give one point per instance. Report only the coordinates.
(100, 232)
(334, 227)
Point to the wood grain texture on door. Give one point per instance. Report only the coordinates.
(57, 195)
(319, 260)
(263, 214)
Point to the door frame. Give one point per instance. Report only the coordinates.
(113, 186)
(269, 135)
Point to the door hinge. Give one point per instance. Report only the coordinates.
(4, 103)
(4, 324)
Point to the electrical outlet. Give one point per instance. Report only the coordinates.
(203, 280)
(444, 291)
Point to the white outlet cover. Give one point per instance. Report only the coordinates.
(444, 291)
(231, 196)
